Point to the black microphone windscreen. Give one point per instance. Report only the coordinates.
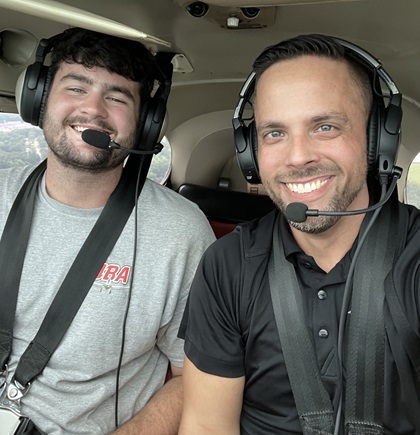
(96, 138)
(296, 212)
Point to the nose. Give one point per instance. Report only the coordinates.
(300, 151)
(94, 105)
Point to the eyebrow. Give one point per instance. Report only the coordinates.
(270, 125)
(108, 87)
(324, 117)
(337, 116)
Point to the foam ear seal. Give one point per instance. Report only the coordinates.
(46, 89)
(252, 131)
(373, 135)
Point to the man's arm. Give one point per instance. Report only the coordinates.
(162, 414)
(212, 404)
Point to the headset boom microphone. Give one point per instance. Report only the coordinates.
(99, 139)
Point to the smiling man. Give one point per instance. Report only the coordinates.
(312, 148)
(81, 94)
(108, 372)
(274, 336)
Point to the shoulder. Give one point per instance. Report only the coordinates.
(406, 270)
(402, 289)
(157, 195)
(409, 230)
(232, 272)
(174, 213)
(247, 242)
(414, 218)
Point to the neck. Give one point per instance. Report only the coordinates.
(78, 188)
(329, 247)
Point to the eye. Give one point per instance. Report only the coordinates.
(326, 128)
(274, 134)
(76, 90)
(116, 100)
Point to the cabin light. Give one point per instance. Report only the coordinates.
(232, 22)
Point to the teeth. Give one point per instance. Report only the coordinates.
(79, 128)
(307, 187)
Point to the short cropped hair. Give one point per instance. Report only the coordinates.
(315, 45)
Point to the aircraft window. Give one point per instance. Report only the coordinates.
(413, 182)
(24, 144)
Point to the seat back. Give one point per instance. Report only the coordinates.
(226, 208)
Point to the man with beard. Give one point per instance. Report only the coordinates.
(275, 333)
(108, 371)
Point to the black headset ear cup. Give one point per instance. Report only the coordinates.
(153, 118)
(383, 142)
(34, 90)
(152, 121)
(245, 134)
(246, 152)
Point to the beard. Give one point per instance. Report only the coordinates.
(99, 160)
(340, 201)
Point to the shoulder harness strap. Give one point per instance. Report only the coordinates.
(366, 333)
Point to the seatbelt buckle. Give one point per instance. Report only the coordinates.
(12, 421)
(15, 391)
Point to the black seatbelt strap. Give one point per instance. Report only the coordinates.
(366, 346)
(13, 246)
(80, 277)
(312, 401)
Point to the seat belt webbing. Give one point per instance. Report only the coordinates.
(77, 282)
(366, 345)
(312, 401)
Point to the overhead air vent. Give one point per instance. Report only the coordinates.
(16, 46)
(231, 17)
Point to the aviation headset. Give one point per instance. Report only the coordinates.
(383, 135)
(34, 83)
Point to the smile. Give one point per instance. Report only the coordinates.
(306, 187)
(81, 129)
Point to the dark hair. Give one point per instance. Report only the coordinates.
(315, 45)
(130, 59)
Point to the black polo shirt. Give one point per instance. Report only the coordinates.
(230, 330)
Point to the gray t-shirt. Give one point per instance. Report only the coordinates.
(75, 394)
